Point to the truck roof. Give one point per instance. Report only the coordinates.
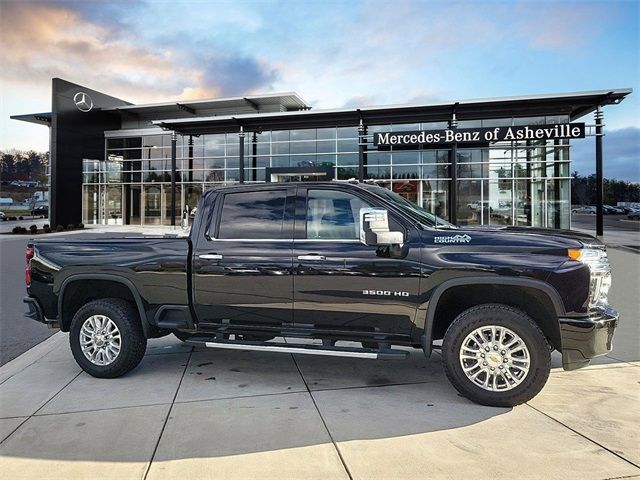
(267, 185)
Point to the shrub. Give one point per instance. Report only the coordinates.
(46, 229)
(33, 229)
(17, 229)
(13, 218)
(80, 225)
(71, 226)
(59, 228)
(46, 226)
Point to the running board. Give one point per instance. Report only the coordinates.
(383, 354)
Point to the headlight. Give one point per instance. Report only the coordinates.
(598, 262)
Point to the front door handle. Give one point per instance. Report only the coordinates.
(210, 256)
(312, 257)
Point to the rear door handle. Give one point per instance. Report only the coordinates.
(210, 256)
(312, 257)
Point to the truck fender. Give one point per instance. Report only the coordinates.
(427, 337)
(113, 278)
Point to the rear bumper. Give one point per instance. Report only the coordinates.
(587, 337)
(35, 310)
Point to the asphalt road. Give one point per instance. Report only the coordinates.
(17, 332)
(611, 222)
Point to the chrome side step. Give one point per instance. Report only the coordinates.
(383, 354)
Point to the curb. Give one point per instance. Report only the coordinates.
(30, 357)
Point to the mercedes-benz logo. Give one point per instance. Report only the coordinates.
(83, 101)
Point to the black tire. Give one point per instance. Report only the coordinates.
(133, 342)
(523, 326)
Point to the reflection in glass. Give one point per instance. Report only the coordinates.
(152, 199)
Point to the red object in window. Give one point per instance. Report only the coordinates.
(27, 270)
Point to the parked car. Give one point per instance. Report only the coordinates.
(587, 209)
(42, 210)
(634, 214)
(2, 216)
(613, 210)
(334, 261)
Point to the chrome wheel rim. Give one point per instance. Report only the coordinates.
(100, 340)
(495, 358)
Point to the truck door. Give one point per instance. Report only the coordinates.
(242, 271)
(342, 284)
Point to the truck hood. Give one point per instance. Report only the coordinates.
(509, 236)
(584, 238)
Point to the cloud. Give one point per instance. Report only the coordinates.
(44, 40)
(560, 26)
(621, 154)
(237, 75)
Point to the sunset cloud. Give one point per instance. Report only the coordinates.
(338, 53)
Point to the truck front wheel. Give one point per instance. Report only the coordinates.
(496, 355)
(106, 338)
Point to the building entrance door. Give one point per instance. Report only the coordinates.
(152, 201)
(135, 198)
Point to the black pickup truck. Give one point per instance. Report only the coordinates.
(354, 266)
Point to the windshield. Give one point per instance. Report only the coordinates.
(419, 214)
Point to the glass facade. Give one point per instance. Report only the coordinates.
(507, 183)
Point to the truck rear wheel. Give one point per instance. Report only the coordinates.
(496, 355)
(106, 338)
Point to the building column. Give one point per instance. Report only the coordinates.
(362, 150)
(174, 142)
(191, 158)
(453, 174)
(599, 174)
(241, 154)
(254, 156)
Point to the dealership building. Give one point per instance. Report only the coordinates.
(502, 161)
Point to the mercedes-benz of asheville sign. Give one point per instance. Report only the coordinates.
(478, 135)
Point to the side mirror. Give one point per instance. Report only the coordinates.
(184, 221)
(374, 228)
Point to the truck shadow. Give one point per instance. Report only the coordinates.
(236, 403)
(224, 408)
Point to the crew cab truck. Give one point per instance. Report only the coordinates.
(340, 262)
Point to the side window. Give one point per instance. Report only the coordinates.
(255, 215)
(333, 215)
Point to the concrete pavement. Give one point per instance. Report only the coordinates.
(197, 413)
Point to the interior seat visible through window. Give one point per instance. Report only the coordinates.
(333, 215)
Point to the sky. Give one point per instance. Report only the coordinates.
(333, 53)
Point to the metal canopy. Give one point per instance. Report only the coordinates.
(575, 105)
(39, 118)
(189, 108)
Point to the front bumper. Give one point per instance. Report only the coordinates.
(584, 338)
(35, 310)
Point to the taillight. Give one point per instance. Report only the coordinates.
(27, 270)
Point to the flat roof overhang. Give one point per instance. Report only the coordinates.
(189, 108)
(575, 105)
(38, 118)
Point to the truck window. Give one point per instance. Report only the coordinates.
(333, 214)
(253, 215)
